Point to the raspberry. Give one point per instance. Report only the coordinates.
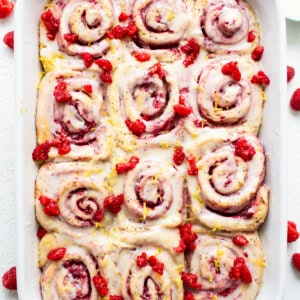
(232, 69)
(123, 17)
(137, 127)
(290, 73)
(101, 285)
(106, 77)
(181, 247)
(114, 297)
(240, 240)
(61, 93)
(57, 254)
(64, 148)
(88, 88)
(251, 37)
(260, 78)
(257, 53)
(193, 169)
(124, 167)
(120, 32)
(41, 152)
(140, 56)
(295, 100)
(292, 233)
(99, 215)
(182, 110)
(41, 232)
(51, 210)
(132, 29)
(189, 296)
(296, 260)
(51, 23)
(44, 200)
(245, 274)
(191, 280)
(104, 64)
(157, 69)
(9, 279)
(244, 150)
(157, 266)
(114, 204)
(187, 236)
(178, 156)
(6, 8)
(8, 39)
(191, 50)
(141, 260)
(236, 270)
(88, 59)
(71, 38)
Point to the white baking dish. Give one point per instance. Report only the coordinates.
(273, 136)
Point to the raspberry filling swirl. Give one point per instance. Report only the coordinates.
(70, 277)
(83, 26)
(160, 23)
(80, 201)
(213, 262)
(152, 190)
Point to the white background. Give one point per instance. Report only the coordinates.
(7, 187)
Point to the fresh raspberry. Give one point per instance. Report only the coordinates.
(132, 29)
(251, 37)
(101, 285)
(114, 297)
(114, 204)
(257, 53)
(57, 254)
(41, 152)
(157, 69)
(178, 156)
(71, 38)
(182, 110)
(134, 160)
(157, 266)
(188, 236)
(65, 148)
(240, 240)
(141, 260)
(104, 64)
(44, 200)
(232, 70)
(295, 100)
(296, 260)
(244, 150)
(88, 59)
(123, 17)
(51, 210)
(191, 50)
(122, 32)
(125, 167)
(193, 169)
(236, 270)
(41, 232)
(292, 233)
(106, 77)
(290, 73)
(189, 296)
(8, 39)
(88, 88)
(99, 215)
(137, 127)
(191, 280)
(142, 56)
(9, 279)
(246, 276)
(61, 93)
(6, 8)
(181, 247)
(51, 23)
(260, 78)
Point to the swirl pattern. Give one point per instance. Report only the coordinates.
(213, 260)
(223, 26)
(77, 116)
(227, 193)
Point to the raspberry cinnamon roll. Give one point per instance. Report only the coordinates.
(70, 112)
(141, 102)
(224, 26)
(70, 30)
(225, 95)
(153, 195)
(224, 269)
(162, 25)
(74, 202)
(225, 181)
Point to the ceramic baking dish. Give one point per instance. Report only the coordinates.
(272, 134)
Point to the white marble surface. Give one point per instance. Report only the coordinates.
(7, 190)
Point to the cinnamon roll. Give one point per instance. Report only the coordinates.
(70, 110)
(228, 192)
